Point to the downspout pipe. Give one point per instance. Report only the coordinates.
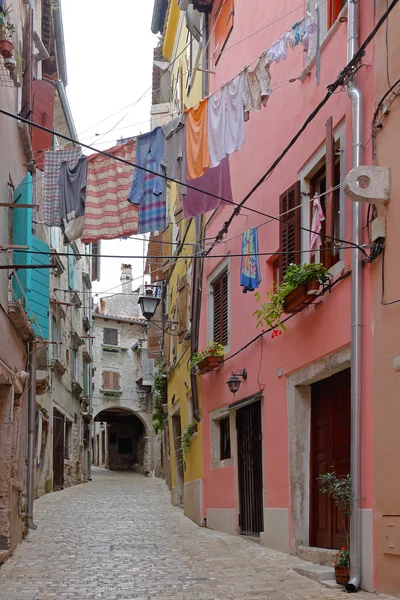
(355, 94)
(31, 435)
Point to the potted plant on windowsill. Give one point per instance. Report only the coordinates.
(299, 284)
(188, 433)
(7, 31)
(208, 359)
(339, 489)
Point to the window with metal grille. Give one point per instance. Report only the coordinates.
(220, 309)
(225, 438)
(110, 336)
(111, 380)
(289, 202)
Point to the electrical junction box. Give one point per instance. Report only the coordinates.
(391, 534)
(378, 228)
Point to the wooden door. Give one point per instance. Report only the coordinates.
(249, 439)
(330, 450)
(58, 450)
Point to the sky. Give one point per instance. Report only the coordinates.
(109, 49)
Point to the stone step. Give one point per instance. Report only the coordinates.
(316, 572)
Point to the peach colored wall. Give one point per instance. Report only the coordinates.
(386, 319)
(321, 329)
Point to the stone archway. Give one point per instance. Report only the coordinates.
(122, 440)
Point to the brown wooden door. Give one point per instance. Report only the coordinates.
(330, 450)
(249, 438)
(58, 450)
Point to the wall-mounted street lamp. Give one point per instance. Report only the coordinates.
(101, 425)
(235, 381)
(142, 394)
(148, 304)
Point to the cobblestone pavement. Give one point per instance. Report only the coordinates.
(118, 537)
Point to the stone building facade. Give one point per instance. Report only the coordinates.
(122, 383)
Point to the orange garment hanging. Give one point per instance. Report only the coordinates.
(197, 152)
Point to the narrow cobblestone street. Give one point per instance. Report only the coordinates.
(118, 537)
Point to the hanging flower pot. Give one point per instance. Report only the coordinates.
(6, 48)
(342, 575)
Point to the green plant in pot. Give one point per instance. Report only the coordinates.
(339, 489)
(158, 418)
(270, 313)
(7, 31)
(213, 349)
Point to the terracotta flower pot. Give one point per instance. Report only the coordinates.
(298, 299)
(342, 575)
(6, 48)
(209, 364)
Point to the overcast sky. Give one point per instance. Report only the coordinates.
(109, 48)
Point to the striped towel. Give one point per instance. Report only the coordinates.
(152, 210)
(51, 187)
(108, 214)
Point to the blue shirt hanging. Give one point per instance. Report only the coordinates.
(149, 142)
(250, 276)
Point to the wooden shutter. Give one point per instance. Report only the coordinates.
(43, 114)
(111, 380)
(110, 336)
(71, 276)
(154, 334)
(153, 265)
(220, 322)
(334, 8)
(330, 168)
(96, 249)
(182, 307)
(290, 227)
(223, 26)
(167, 347)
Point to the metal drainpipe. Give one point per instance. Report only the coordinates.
(356, 321)
(31, 435)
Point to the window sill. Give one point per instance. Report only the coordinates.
(222, 464)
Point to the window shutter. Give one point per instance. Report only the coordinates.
(330, 173)
(289, 227)
(71, 267)
(153, 265)
(154, 335)
(182, 307)
(115, 381)
(110, 336)
(167, 347)
(106, 380)
(223, 26)
(220, 290)
(43, 114)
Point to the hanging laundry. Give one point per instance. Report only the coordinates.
(149, 142)
(152, 209)
(51, 186)
(197, 152)
(72, 183)
(174, 159)
(310, 36)
(250, 273)
(316, 225)
(297, 36)
(217, 126)
(218, 182)
(289, 40)
(234, 129)
(108, 215)
(277, 51)
(257, 86)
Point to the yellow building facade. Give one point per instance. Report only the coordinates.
(183, 51)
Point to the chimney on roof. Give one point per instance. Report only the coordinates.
(126, 279)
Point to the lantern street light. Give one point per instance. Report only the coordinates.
(142, 394)
(235, 381)
(148, 304)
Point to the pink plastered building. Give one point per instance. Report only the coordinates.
(290, 421)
